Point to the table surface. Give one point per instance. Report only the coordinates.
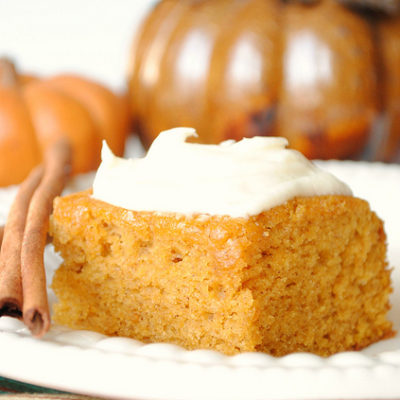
(10, 388)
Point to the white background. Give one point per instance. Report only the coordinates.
(88, 37)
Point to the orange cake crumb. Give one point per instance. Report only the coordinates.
(309, 275)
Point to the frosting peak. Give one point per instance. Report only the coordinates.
(233, 178)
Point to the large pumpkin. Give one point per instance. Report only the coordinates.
(34, 112)
(319, 74)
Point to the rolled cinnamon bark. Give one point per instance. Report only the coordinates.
(10, 255)
(36, 313)
(23, 291)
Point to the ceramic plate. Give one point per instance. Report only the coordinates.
(90, 363)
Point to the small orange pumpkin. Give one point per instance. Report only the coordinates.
(35, 112)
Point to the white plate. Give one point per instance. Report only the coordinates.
(90, 363)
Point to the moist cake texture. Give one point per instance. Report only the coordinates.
(307, 275)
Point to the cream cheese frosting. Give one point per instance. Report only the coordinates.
(238, 179)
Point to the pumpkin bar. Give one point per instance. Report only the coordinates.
(306, 275)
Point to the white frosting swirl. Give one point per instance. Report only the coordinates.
(233, 178)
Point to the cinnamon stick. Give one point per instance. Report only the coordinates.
(23, 292)
(10, 255)
(48, 240)
(36, 315)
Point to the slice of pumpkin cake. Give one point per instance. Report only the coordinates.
(242, 246)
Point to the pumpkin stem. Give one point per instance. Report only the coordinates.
(8, 73)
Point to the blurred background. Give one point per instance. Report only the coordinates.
(325, 74)
(87, 37)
